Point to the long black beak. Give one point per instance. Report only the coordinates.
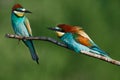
(55, 29)
(27, 11)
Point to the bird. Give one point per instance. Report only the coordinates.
(80, 37)
(21, 27)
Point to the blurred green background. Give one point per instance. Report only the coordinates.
(99, 18)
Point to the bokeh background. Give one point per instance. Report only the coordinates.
(99, 18)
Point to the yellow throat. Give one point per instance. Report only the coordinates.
(59, 34)
(20, 14)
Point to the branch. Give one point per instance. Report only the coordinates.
(49, 39)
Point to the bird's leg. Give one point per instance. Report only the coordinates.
(24, 38)
(18, 39)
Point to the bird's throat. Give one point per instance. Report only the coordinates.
(19, 14)
(59, 34)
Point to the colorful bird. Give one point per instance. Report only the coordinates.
(21, 27)
(79, 36)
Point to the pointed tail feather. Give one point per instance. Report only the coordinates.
(100, 52)
(33, 53)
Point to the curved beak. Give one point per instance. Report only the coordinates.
(27, 11)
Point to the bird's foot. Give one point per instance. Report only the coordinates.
(24, 38)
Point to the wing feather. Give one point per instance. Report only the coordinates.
(27, 24)
(84, 39)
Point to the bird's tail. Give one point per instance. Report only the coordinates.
(99, 51)
(31, 48)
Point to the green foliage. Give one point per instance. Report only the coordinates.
(99, 18)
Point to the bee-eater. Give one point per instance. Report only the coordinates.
(79, 36)
(21, 27)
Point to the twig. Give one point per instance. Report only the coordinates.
(49, 39)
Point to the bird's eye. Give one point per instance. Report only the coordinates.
(19, 10)
(62, 30)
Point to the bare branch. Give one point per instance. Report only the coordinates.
(49, 39)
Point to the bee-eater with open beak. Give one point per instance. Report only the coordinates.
(79, 36)
(21, 27)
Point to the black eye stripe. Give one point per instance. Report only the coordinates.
(60, 30)
(19, 10)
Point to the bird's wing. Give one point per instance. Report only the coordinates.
(27, 24)
(84, 39)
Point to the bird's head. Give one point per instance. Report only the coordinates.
(61, 29)
(58, 31)
(18, 10)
